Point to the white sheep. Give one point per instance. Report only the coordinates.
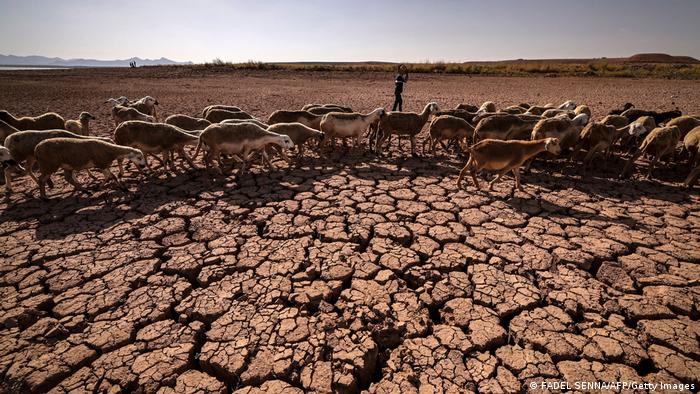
(303, 117)
(240, 140)
(6, 130)
(122, 114)
(21, 146)
(187, 123)
(72, 154)
(155, 138)
(348, 125)
(47, 121)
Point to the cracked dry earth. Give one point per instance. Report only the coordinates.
(348, 274)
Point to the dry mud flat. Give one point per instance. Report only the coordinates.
(345, 274)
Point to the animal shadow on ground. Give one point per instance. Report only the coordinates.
(72, 213)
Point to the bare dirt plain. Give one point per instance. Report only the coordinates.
(351, 273)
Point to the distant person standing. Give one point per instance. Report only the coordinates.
(401, 78)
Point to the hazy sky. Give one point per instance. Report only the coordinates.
(391, 30)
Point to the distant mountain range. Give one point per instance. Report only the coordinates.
(43, 61)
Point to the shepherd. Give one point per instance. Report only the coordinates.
(401, 78)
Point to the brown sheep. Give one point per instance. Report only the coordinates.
(659, 142)
(48, 121)
(81, 125)
(691, 144)
(404, 123)
(504, 156)
(684, 123)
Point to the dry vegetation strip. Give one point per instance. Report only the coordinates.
(516, 68)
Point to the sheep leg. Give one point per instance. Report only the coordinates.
(575, 153)
(413, 146)
(160, 161)
(651, 165)
(244, 161)
(94, 178)
(284, 155)
(475, 170)
(109, 175)
(591, 152)
(187, 158)
(471, 164)
(497, 178)
(41, 182)
(267, 161)
(208, 156)
(516, 175)
(30, 172)
(8, 180)
(167, 162)
(121, 167)
(630, 163)
(69, 175)
(692, 177)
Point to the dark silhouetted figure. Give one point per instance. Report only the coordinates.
(401, 78)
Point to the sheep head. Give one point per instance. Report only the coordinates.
(285, 141)
(137, 157)
(86, 116)
(580, 119)
(568, 105)
(636, 129)
(551, 145)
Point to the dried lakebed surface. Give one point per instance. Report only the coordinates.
(344, 274)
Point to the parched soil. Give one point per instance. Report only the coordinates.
(352, 272)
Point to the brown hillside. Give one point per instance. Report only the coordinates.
(661, 58)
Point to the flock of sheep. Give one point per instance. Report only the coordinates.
(497, 140)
